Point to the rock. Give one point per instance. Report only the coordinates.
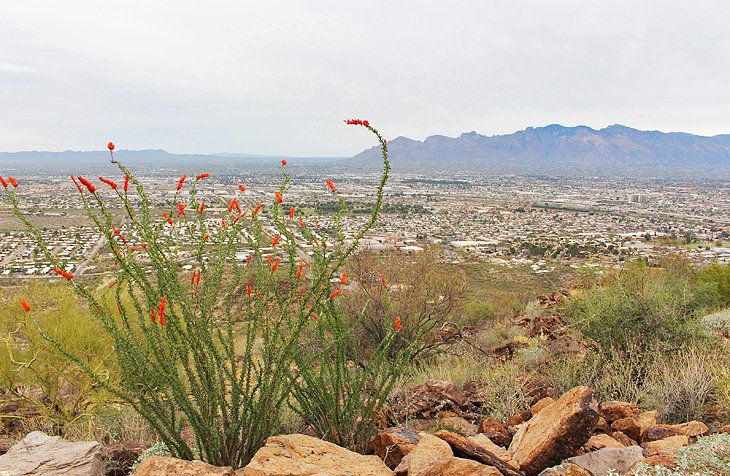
(565, 469)
(621, 437)
(519, 418)
(598, 463)
(41, 454)
(496, 432)
(120, 457)
(432, 456)
(600, 441)
(666, 446)
(724, 429)
(434, 396)
(557, 432)
(167, 466)
(629, 426)
(691, 429)
(615, 410)
(459, 425)
(603, 426)
(498, 451)
(647, 419)
(467, 448)
(393, 444)
(654, 433)
(301, 455)
(663, 460)
(542, 403)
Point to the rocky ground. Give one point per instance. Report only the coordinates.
(574, 434)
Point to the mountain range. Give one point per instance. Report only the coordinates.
(556, 149)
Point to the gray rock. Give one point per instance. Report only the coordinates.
(41, 455)
(601, 461)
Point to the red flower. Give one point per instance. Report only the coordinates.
(331, 185)
(291, 212)
(256, 210)
(358, 122)
(63, 273)
(108, 182)
(241, 187)
(3, 182)
(202, 207)
(126, 183)
(315, 316)
(275, 240)
(180, 209)
(343, 279)
(335, 293)
(383, 280)
(78, 187)
(153, 315)
(283, 162)
(248, 289)
(397, 323)
(276, 264)
(235, 220)
(223, 224)
(205, 237)
(234, 204)
(24, 304)
(110, 145)
(161, 310)
(279, 198)
(202, 176)
(181, 181)
(89, 186)
(12, 181)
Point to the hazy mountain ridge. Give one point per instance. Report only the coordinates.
(560, 149)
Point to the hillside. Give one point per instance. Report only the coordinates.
(558, 149)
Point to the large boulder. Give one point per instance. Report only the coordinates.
(615, 410)
(167, 466)
(301, 455)
(600, 441)
(557, 432)
(600, 462)
(665, 446)
(40, 454)
(432, 456)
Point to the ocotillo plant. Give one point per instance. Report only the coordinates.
(207, 358)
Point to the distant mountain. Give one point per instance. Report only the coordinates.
(556, 149)
(148, 160)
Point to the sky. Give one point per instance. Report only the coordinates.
(278, 77)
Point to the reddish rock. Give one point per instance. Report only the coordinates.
(446, 414)
(663, 460)
(393, 444)
(655, 433)
(519, 418)
(691, 429)
(600, 441)
(603, 425)
(428, 400)
(647, 419)
(557, 432)
(615, 410)
(542, 403)
(496, 432)
(629, 426)
(621, 437)
(433, 457)
(724, 429)
(566, 469)
(666, 446)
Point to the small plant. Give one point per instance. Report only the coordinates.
(207, 357)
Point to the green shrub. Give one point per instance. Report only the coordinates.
(652, 308)
(207, 359)
(718, 275)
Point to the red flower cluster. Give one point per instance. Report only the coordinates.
(357, 122)
(202, 176)
(89, 186)
(63, 273)
(383, 280)
(291, 212)
(241, 187)
(195, 279)
(343, 279)
(283, 162)
(12, 181)
(201, 208)
(24, 304)
(180, 209)
(235, 220)
(275, 241)
(256, 210)
(161, 310)
(110, 145)
(335, 293)
(397, 323)
(234, 204)
(3, 182)
(111, 183)
(181, 182)
(276, 264)
(126, 183)
(331, 185)
(279, 198)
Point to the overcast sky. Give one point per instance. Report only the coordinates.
(277, 77)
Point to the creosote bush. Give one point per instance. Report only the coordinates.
(209, 359)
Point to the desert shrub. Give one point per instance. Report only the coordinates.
(31, 372)
(718, 275)
(476, 312)
(207, 358)
(651, 308)
(503, 392)
(421, 290)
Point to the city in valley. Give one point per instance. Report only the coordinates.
(539, 224)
